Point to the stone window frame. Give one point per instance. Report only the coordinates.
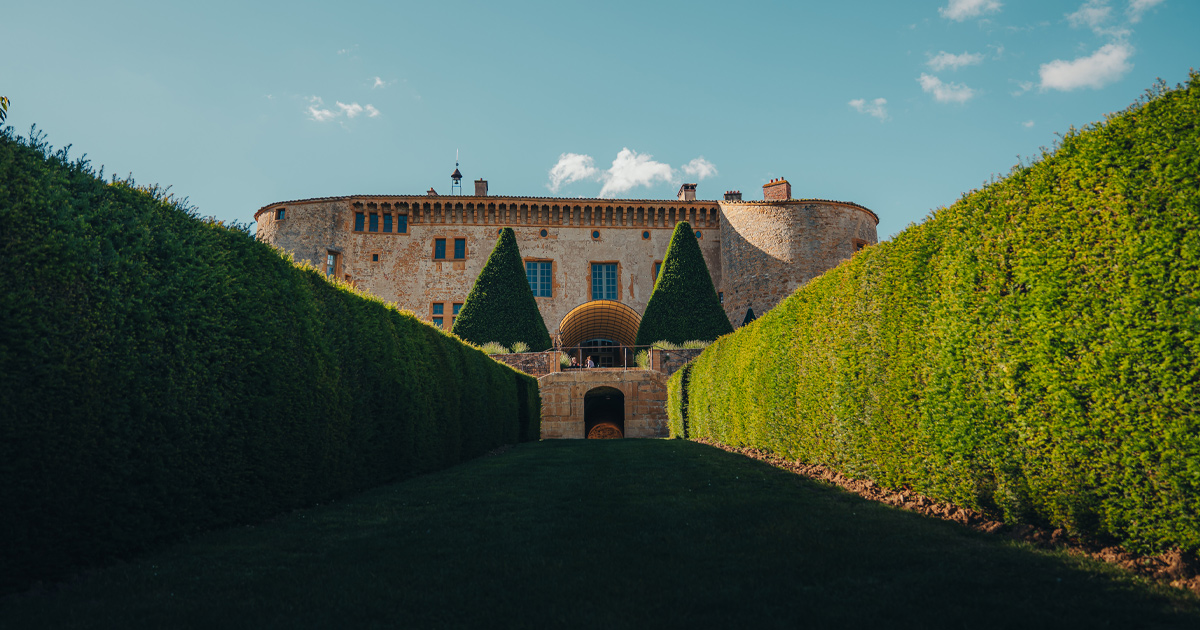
(433, 249)
(367, 214)
(280, 214)
(654, 272)
(589, 277)
(859, 245)
(436, 318)
(337, 262)
(466, 247)
(450, 237)
(553, 275)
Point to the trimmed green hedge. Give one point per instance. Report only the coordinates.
(684, 305)
(161, 375)
(1031, 350)
(501, 306)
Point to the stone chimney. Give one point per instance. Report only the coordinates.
(432, 193)
(777, 190)
(733, 195)
(687, 192)
(481, 188)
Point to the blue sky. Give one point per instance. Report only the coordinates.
(899, 106)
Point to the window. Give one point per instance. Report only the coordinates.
(604, 281)
(721, 297)
(402, 223)
(374, 222)
(387, 223)
(540, 278)
(438, 309)
(454, 312)
(698, 235)
(331, 264)
(374, 257)
(859, 245)
(544, 233)
(359, 220)
(279, 214)
(657, 268)
(439, 248)
(646, 235)
(460, 248)
(595, 234)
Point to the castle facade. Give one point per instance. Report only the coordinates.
(423, 252)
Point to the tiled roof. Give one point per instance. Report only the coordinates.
(561, 200)
(439, 198)
(809, 200)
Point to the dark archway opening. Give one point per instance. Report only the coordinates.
(604, 413)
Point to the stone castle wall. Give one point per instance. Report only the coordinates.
(401, 268)
(769, 249)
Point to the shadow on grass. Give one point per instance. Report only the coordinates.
(622, 533)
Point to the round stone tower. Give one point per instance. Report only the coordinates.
(770, 248)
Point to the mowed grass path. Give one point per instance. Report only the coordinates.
(622, 533)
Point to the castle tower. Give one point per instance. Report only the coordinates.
(772, 247)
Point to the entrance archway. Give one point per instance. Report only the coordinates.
(604, 413)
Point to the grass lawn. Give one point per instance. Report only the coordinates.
(621, 533)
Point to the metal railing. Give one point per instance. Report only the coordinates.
(605, 357)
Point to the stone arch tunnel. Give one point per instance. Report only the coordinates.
(604, 413)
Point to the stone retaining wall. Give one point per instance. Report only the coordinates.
(563, 393)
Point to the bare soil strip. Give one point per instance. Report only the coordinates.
(1173, 567)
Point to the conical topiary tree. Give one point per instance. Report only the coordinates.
(684, 305)
(501, 306)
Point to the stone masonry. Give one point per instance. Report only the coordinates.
(570, 234)
(563, 394)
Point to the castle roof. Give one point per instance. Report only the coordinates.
(560, 200)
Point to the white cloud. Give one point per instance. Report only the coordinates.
(351, 110)
(1138, 7)
(961, 10)
(318, 112)
(378, 83)
(945, 60)
(630, 169)
(945, 92)
(1024, 86)
(1027, 124)
(700, 168)
(877, 107)
(571, 167)
(1091, 14)
(1102, 67)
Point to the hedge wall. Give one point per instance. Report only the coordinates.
(160, 375)
(1031, 350)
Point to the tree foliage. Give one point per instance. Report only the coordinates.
(1032, 350)
(684, 305)
(161, 374)
(501, 306)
